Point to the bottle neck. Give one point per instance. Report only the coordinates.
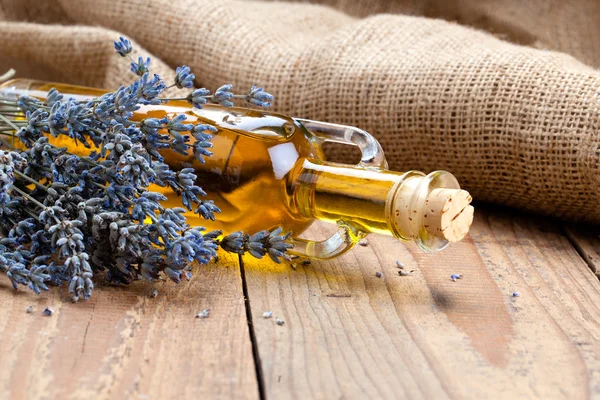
(408, 206)
(333, 192)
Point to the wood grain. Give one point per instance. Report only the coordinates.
(124, 344)
(349, 334)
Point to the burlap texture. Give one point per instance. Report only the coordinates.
(516, 125)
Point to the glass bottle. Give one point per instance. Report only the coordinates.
(268, 170)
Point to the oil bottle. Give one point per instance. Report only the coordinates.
(268, 170)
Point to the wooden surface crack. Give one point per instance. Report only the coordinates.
(586, 243)
(255, 353)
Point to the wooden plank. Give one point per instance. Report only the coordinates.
(124, 344)
(349, 334)
(587, 241)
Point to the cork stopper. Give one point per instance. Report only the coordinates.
(448, 214)
(430, 209)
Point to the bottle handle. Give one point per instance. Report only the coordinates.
(372, 153)
(337, 244)
(347, 235)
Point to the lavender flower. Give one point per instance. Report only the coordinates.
(202, 141)
(54, 96)
(140, 67)
(123, 46)
(258, 97)
(184, 77)
(96, 214)
(207, 209)
(27, 103)
(223, 96)
(199, 97)
(175, 124)
(259, 244)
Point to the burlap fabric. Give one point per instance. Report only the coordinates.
(517, 125)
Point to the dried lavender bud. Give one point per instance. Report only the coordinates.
(454, 277)
(28, 103)
(258, 97)
(378, 274)
(203, 314)
(234, 243)
(184, 77)
(399, 264)
(48, 312)
(223, 96)
(18, 274)
(267, 314)
(29, 309)
(276, 245)
(279, 321)
(202, 141)
(404, 273)
(363, 242)
(37, 277)
(154, 293)
(123, 46)
(54, 96)
(207, 209)
(199, 97)
(140, 67)
(175, 125)
(515, 294)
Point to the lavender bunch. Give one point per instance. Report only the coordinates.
(67, 218)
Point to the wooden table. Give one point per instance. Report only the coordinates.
(347, 334)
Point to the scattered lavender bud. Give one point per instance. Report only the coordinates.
(306, 262)
(29, 310)
(279, 321)
(267, 314)
(203, 314)
(399, 264)
(454, 277)
(154, 293)
(404, 273)
(363, 242)
(515, 294)
(378, 274)
(48, 311)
